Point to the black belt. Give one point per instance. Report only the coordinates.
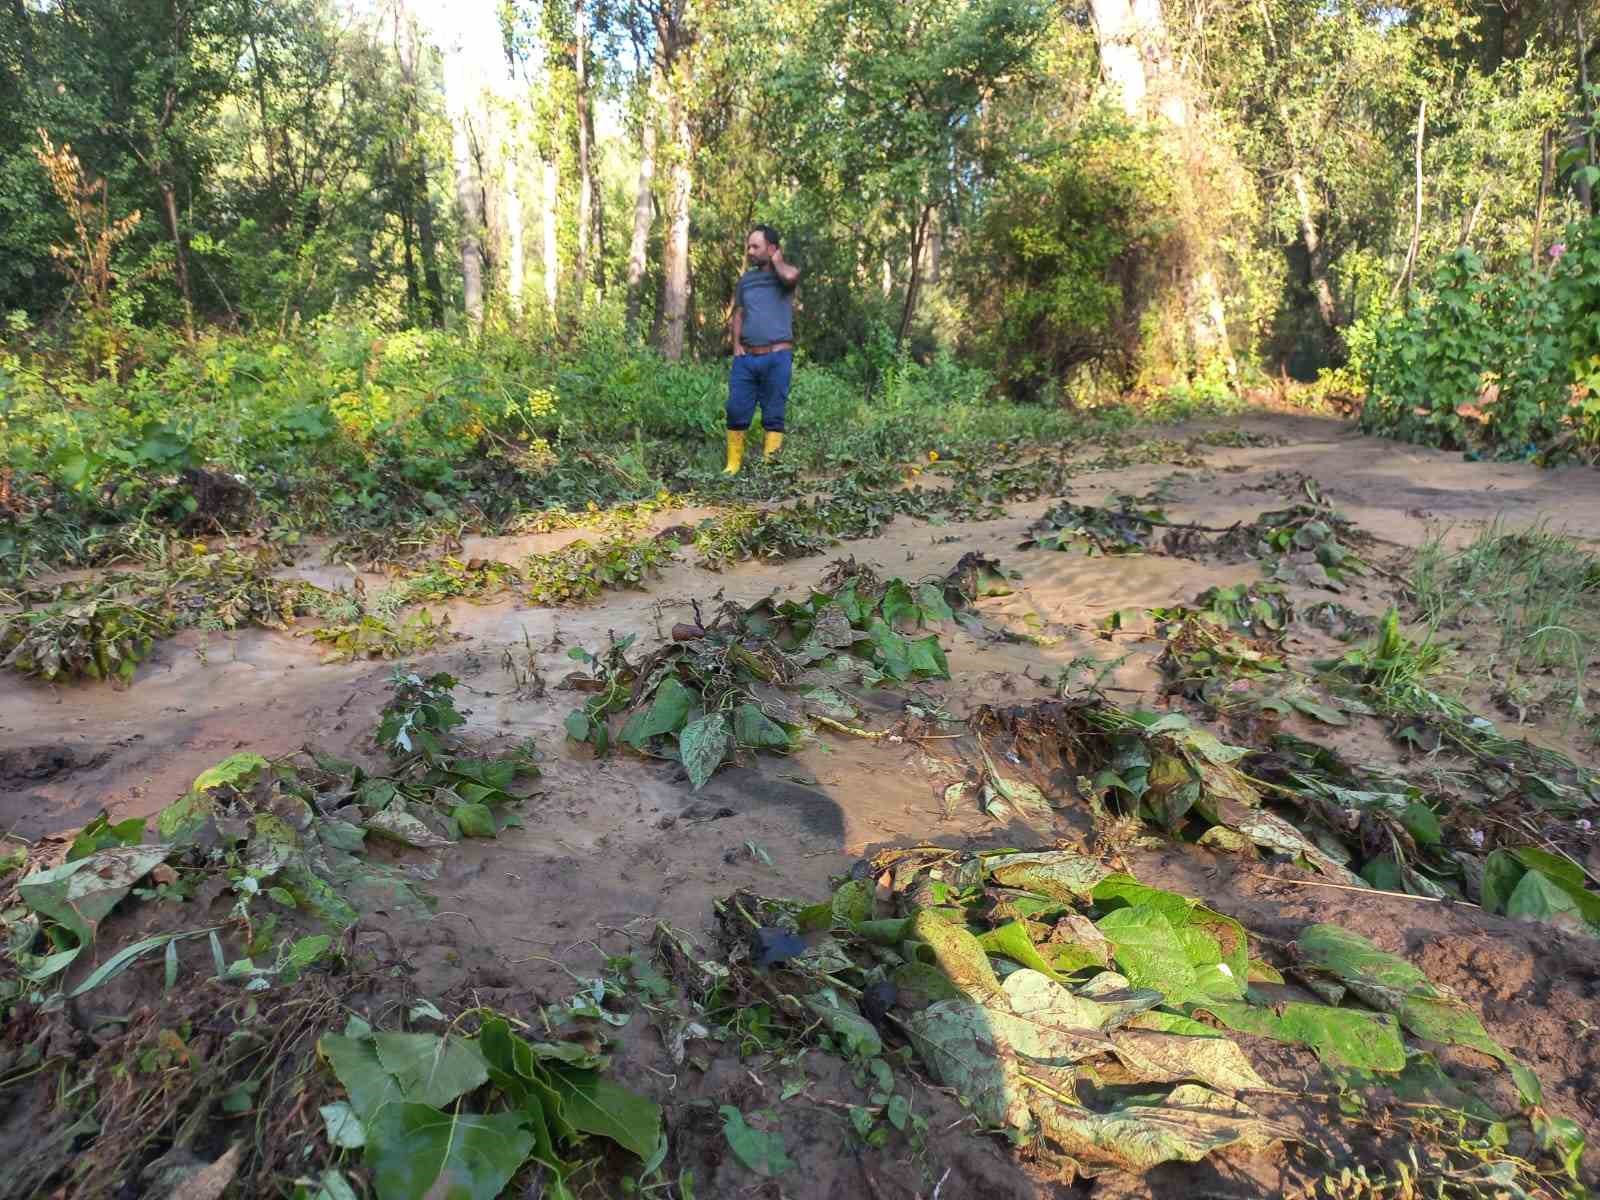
(769, 348)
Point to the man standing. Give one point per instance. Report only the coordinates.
(763, 345)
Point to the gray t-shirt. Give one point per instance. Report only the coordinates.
(768, 308)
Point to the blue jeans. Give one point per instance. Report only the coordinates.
(760, 379)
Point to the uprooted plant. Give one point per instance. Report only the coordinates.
(757, 678)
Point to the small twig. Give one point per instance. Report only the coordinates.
(1365, 891)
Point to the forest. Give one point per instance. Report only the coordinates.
(1127, 729)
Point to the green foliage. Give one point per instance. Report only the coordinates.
(1508, 360)
(1068, 253)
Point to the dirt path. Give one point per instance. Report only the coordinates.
(611, 847)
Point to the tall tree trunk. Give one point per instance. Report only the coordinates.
(469, 205)
(548, 254)
(675, 257)
(644, 201)
(180, 256)
(935, 248)
(432, 282)
(408, 238)
(514, 250)
(585, 178)
(1416, 224)
(1316, 268)
(1136, 61)
(919, 236)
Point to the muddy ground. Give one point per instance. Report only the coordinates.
(611, 847)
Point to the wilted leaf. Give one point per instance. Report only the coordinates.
(1161, 1057)
(666, 714)
(752, 727)
(354, 1060)
(1189, 1124)
(593, 1104)
(859, 1038)
(406, 829)
(957, 953)
(475, 820)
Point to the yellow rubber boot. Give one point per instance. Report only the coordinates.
(772, 444)
(735, 451)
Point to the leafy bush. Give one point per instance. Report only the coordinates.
(1068, 243)
(1510, 359)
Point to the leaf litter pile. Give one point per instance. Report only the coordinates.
(1096, 1023)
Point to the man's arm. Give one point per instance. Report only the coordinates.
(738, 329)
(787, 273)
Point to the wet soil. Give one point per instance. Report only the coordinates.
(613, 846)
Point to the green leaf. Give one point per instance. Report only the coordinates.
(593, 1104)
(1502, 871)
(764, 1153)
(99, 834)
(851, 903)
(416, 1151)
(701, 746)
(431, 1069)
(578, 725)
(237, 771)
(78, 895)
(666, 714)
(753, 728)
(1421, 823)
(1340, 1036)
(1011, 940)
(124, 958)
(344, 1129)
(354, 1060)
(1383, 980)
(856, 1034)
(475, 820)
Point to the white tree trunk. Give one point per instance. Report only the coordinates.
(552, 267)
(469, 203)
(675, 260)
(644, 202)
(585, 178)
(1136, 62)
(514, 250)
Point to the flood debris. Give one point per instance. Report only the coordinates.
(1076, 1010)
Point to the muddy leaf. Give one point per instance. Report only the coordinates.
(78, 895)
(1272, 832)
(855, 1033)
(342, 1126)
(1150, 952)
(666, 714)
(924, 981)
(956, 1040)
(1325, 713)
(1537, 898)
(416, 1151)
(1340, 1036)
(1565, 875)
(1230, 841)
(431, 1069)
(475, 820)
(1059, 874)
(701, 746)
(594, 1104)
(1383, 980)
(957, 953)
(1041, 1001)
(752, 727)
(1154, 1056)
(764, 1153)
(404, 828)
(1190, 1123)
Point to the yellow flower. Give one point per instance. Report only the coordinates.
(933, 456)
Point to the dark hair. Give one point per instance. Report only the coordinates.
(768, 232)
